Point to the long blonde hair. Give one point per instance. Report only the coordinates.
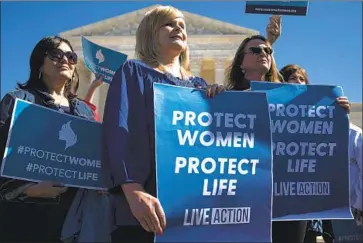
(147, 38)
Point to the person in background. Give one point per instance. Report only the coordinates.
(95, 84)
(98, 82)
(297, 75)
(35, 212)
(128, 124)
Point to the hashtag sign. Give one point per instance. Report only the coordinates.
(29, 167)
(20, 149)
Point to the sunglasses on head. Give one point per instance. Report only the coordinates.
(257, 50)
(57, 55)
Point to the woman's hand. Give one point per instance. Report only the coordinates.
(214, 89)
(358, 216)
(45, 189)
(344, 103)
(145, 208)
(273, 28)
(102, 192)
(97, 82)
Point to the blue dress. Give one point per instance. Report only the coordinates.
(129, 133)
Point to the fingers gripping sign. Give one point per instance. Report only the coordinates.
(213, 90)
(273, 29)
(148, 211)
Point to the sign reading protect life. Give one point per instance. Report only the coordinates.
(101, 60)
(298, 8)
(54, 147)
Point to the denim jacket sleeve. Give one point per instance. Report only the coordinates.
(10, 189)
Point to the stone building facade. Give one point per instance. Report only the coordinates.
(212, 44)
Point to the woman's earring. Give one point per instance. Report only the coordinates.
(40, 74)
(243, 70)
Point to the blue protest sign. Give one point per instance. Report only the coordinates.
(46, 145)
(213, 160)
(347, 231)
(101, 60)
(310, 134)
(277, 7)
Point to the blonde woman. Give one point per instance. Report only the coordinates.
(129, 146)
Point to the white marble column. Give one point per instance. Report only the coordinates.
(220, 71)
(207, 70)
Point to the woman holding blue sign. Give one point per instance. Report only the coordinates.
(296, 75)
(30, 211)
(129, 146)
(254, 61)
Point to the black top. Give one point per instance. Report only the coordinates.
(32, 219)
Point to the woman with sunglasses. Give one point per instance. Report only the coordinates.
(254, 61)
(35, 212)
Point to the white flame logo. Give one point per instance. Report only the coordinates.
(99, 56)
(68, 135)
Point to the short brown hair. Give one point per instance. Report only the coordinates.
(290, 69)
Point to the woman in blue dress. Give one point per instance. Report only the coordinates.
(129, 143)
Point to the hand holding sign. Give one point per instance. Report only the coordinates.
(273, 29)
(344, 103)
(213, 90)
(45, 189)
(145, 208)
(98, 81)
(358, 216)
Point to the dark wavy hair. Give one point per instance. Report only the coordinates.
(37, 60)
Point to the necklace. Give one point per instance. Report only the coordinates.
(59, 105)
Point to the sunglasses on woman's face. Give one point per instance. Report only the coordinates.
(257, 50)
(57, 55)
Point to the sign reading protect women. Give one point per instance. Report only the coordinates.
(101, 60)
(46, 145)
(310, 134)
(213, 159)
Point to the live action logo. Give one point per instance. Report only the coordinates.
(215, 216)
